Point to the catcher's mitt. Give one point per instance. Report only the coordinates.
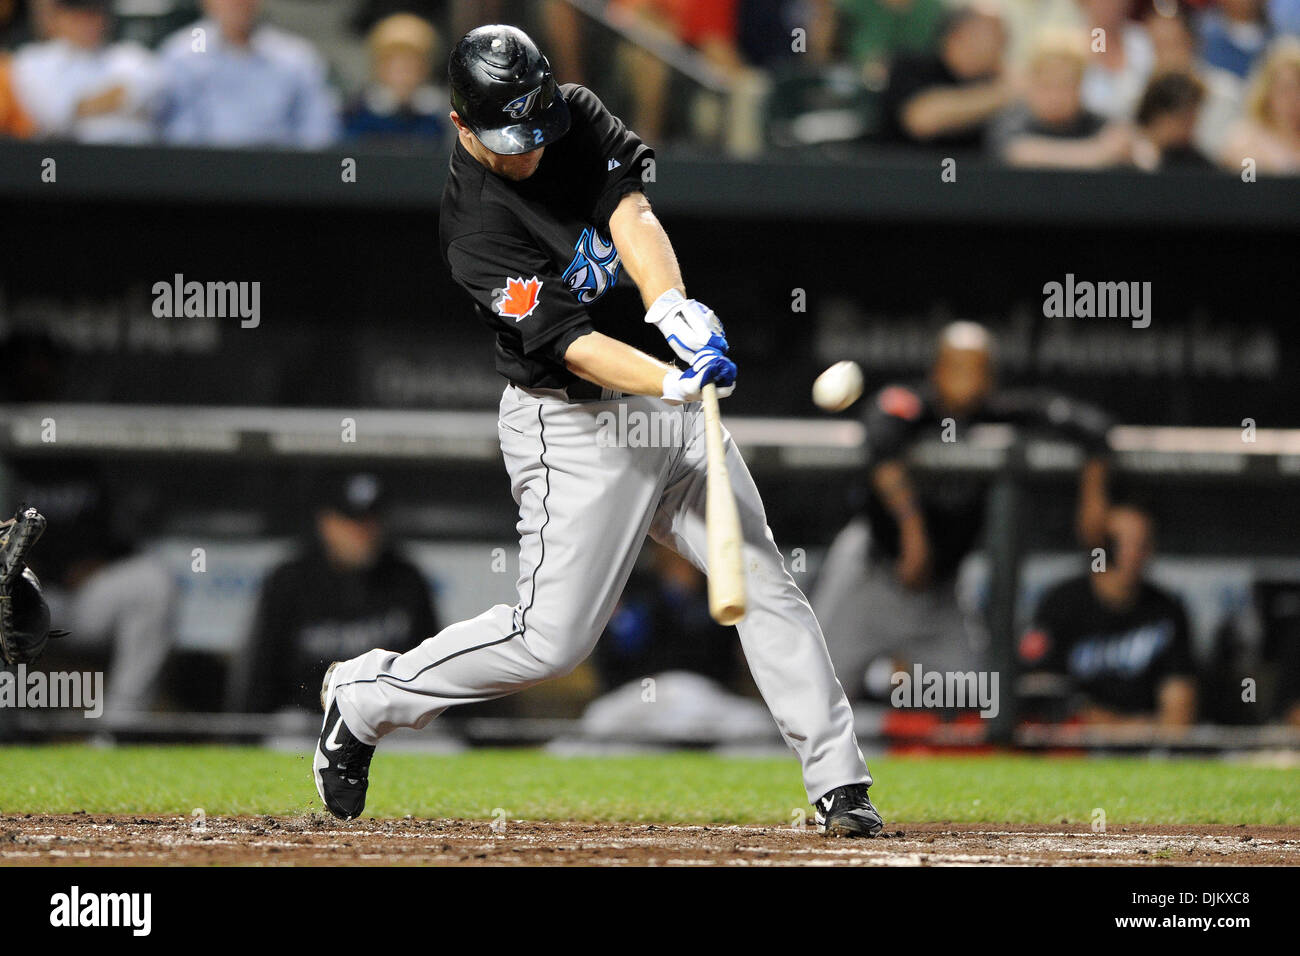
(24, 615)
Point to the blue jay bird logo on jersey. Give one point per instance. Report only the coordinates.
(521, 106)
(594, 267)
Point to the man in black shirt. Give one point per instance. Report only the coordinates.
(1120, 642)
(887, 595)
(544, 209)
(347, 592)
(943, 99)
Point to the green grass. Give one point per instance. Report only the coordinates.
(669, 788)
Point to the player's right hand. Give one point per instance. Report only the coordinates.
(688, 325)
(710, 365)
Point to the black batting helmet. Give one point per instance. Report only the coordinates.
(503, 89)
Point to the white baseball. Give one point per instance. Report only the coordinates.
(838, 387)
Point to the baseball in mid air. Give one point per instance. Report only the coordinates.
(838, 387)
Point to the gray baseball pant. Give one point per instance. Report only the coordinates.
(591, 479)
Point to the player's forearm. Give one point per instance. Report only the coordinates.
(894, 486)
(644, 248)
(1094, 480)
(1177, 702)
(1044, 151)
(936, 112)
(610, 363)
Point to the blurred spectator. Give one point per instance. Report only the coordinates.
(1176, 46)
(1284, 16)
(15, 26)
(348, 591)
(1119, 62)
(945, 98)
(117, 603)
(231, 80)
(1052, 127)
(14, 120)
(662, 623)
(1167, 120)
(1121, 643)
(709, 26)
(400, 103)
(886, 596)
(1027, 20)
(1270, 132)
(77, 85)
(879, 31)
(1234, 35)
(370, 12)
(766, 31)
(563, 25)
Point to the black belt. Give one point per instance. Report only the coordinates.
(579, 390)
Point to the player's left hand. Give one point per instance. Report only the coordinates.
(687, 324)
(710, 366)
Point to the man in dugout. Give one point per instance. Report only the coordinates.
(1118, 645)
(887, 592)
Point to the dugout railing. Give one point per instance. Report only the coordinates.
(1242, 469)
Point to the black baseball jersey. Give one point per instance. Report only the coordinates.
(953, 505)
(1114, 659)
(535, 255)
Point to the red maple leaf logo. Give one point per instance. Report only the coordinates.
(518, 298)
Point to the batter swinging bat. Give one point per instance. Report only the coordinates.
(726, 572)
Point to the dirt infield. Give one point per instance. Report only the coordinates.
(83, 839)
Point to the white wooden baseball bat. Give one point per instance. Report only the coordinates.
(726, 569)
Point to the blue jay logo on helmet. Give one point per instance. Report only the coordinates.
(594, 268)
(521, 106)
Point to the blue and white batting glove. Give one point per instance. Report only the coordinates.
(710, 365)
(687, 324)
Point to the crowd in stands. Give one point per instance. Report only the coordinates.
(1080, 84)
(1106, 83)
(229, 78)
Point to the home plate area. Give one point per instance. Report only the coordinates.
(313, 839)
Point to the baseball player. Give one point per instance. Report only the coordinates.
(543, 210)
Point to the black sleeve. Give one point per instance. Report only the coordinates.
(516, 287)
(909, 76)
(617, 159)
(892, 418)
(1078, 421)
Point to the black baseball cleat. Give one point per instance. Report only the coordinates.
(342, 763)
(847, 811)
